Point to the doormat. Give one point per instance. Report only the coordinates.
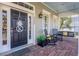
(20, 52)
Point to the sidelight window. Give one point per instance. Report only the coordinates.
(29, 27)
(4, 27)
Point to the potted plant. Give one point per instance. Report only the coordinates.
(41, 40)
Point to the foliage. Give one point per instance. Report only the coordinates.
(65, 22)
(41, 38)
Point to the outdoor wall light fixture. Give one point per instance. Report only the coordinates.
(40, 15)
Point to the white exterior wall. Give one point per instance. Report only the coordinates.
(56, 22)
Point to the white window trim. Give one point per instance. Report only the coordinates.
(19, 7)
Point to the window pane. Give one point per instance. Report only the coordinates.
(4, 27)
(29, 27)
(23, 5)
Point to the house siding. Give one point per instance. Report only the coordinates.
(38, 8)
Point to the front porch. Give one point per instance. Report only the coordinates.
(68, 47)
(24, 25)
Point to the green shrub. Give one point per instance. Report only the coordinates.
(41, 38)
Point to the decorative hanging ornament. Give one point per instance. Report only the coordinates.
(19, 27)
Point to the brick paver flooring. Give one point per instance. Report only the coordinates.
(67, 47)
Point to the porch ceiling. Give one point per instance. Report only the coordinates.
(64, 8)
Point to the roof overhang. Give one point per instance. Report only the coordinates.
(64, 8)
